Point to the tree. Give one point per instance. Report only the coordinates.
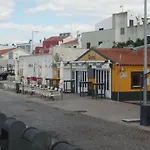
(129, 43)
(57, 58)
(138, 42)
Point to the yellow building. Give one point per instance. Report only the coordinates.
(119, 69)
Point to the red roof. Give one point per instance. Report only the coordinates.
(55, 38)
(37, 49)
(128, 56)
(5, 51)
(72, 42)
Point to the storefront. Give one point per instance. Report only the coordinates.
(119, 70)
(97, 70)
(92, 69)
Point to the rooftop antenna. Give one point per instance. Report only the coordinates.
(138, 19)
(71, 30)
(78, 33)
(122, 7)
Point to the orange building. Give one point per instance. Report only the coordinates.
(122, 76)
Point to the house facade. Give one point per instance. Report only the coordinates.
(122, 76)
(34, 65)
(119, 70)
(70, 44)
(121, 27)
(51, 42)
(9, 55)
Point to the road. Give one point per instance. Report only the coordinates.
(86, 132)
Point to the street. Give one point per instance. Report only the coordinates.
(80, 130)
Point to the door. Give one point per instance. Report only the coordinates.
(81, 76)
(104, 76)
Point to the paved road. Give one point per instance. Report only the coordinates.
(84, 131)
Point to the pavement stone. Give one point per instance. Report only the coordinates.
(81, 130)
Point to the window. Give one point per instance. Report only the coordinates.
(10, 55)
(135, 79)
(58, 74)
(107, 80)
(101, 29)
(122, 31)
(131, 23)
(99, 43)
(88, 45)
(73, 75)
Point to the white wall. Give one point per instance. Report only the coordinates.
(67, 73)
(132, 16)
(68, 54)
(69, 45)
(112, 30)
(120, 21)
(137, 32)
(69, 38)
(94, 37)
(3, 63)
(16, 53)
(38, 61)
(108, 22)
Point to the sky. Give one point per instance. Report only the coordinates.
(18, 18)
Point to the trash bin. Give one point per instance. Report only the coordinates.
(17, 88)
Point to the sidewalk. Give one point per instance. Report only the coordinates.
(100, 108)
(105, 109)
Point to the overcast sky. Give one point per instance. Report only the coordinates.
(50, 17)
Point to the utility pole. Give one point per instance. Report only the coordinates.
(33, 40)
(119, 69)
(122, 7)
(145, 55)
(144, 112)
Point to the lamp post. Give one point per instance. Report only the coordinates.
(33, 39)
(145, 108)
(145, 54)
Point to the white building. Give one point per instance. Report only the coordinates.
(132, 20)
(68, 54)
(9, 55)
(119, 28)
(26, 46)
(34, 65)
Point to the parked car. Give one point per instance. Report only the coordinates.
(4, 74)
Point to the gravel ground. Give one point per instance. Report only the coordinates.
(84, 131)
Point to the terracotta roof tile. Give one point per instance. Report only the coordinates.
(128, 57)
(5, 51)
(55, 38)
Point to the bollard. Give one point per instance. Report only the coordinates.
(11, 133)
(62, 145)
(3, 143)
(2, 120)
(33, 139)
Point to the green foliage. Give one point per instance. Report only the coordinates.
(57, 58)
(130, 43)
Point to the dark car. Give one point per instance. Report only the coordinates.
(4, 74)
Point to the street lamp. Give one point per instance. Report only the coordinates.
(145, 54)
(33, 39)
(145, 108)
